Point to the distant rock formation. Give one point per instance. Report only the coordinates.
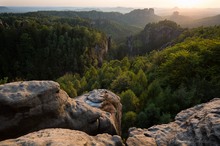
(101, 50)
(155, 36)
(141, 17)
(176, 13)
(64, 137)
(199, 125)
(34, 105)
(180, 19)
(4, 9)
(1, 23)
(151, 11)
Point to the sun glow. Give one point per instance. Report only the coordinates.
(116, 3)
(189, 3)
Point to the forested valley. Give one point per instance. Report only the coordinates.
(158, 69)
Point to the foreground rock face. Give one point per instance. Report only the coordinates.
(199, 125)
(34, 105)
(64, 137)
(106, 101)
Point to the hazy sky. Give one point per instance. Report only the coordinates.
(115, 3)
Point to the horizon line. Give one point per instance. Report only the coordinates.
(118, 7)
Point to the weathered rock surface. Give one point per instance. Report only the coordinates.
(106, 101)
(63, 137)
(196, 126)
(34, 105)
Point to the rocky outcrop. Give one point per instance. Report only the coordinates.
(108, 102)
(1, 23)
(199, 125)
(155, 36)
(30, 106)
(34, 105)
(63, 137)
(141, 17)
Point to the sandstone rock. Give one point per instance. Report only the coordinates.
(196, 126)
(63, 137)
(1, 23)
(137, 138)
(34, 105)
(106, 101)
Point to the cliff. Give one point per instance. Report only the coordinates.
(34, 105)
(40, 113)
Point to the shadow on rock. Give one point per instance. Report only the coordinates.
(34, 105)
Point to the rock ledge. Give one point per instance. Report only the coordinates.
(199, 125)
(30, 106)
(63, 137)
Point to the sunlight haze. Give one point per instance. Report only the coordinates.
(115, 3)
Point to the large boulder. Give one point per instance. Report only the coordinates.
(106, 101)
(34, 105)
(199, 125)
(63, 137)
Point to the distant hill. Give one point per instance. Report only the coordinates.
(114, 24)
(209, 21)
(137, 17)
(186, 21)
(117, 9)
(155, 36)
(179, 19)
(4, 9)
(115, 29)
(141, 17)
(48, 8)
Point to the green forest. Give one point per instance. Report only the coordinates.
(34, 47)
(157, 71)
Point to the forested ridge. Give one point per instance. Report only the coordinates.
(46, 48)
(157, 72)
(137, 17)
(156, 86)
(155, 36)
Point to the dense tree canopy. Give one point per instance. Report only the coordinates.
(158, 74)
(153, 88)
(155, 36)
(45, 48)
